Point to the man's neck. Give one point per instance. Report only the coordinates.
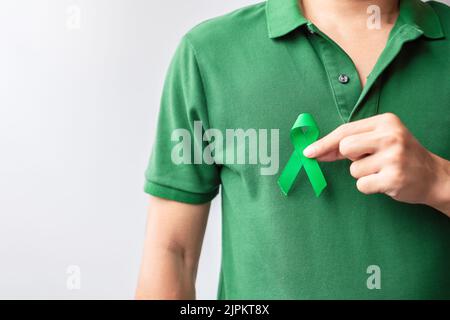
(351, 12)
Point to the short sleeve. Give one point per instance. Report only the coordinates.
(176, 169)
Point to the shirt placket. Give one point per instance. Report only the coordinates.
(342, 74)
(352, 101)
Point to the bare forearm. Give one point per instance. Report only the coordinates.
(172, 249)
(168, 276)
(439, 197)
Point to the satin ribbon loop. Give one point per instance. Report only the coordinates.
(303, 133)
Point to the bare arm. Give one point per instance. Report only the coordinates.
(172, 249)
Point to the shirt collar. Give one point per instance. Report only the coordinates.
(284, 16)
(421, 16)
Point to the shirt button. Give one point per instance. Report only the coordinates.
(343, 78)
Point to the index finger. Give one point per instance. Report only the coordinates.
(327, 148)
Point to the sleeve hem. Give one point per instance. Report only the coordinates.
(170, 193)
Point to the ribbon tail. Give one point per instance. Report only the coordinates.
(290, 173)
(315, 175)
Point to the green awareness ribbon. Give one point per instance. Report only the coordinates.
(303, 133)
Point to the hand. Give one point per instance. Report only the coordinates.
(388, 159)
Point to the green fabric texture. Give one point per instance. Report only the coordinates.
(260, 67)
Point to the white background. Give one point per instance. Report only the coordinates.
(78, 110)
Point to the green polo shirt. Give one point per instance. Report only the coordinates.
(259, 68)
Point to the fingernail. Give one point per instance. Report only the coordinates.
(309, 151)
